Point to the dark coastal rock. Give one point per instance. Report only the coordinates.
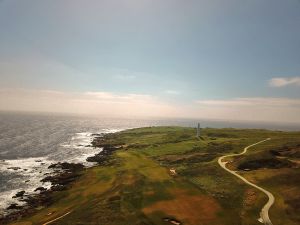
(70, 172)
(14, 168)
(41, 189)
(52, 166)
(34, 201)
(58, 188)
(14, 206)
(103, 141)
(19, 194)
(103, 156)
(111, 148)
(99, 158)
(61, 179)
(67, 166)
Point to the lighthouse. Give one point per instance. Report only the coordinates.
(198, 131)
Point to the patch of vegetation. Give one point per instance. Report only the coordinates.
(291, 151)
(220, 135)
(270, 163)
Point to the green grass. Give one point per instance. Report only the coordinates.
(137, 188)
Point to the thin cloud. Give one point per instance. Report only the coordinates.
(100, 103)
(252, 109)
(252, 102)
(119, 97)
(283, 81)
(172, 92)
(131, 105)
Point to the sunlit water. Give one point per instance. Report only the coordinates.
(29, 143)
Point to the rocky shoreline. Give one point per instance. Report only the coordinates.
(65, 174)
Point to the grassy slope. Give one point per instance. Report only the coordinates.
(137, 188)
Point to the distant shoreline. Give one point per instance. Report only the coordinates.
(159, 121)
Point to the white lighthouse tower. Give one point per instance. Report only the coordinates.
(198, 131)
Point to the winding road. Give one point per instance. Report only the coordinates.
(264, 214)
(49, 222)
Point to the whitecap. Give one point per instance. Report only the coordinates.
(26, 175)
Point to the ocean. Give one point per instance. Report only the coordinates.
(30, 142)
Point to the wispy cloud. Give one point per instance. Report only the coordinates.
(172, 92)
(256, 109)
(112, 97)
(252, 102)
(100, 103)
(284, 81)
(132, 105)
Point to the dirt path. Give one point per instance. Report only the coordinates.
(264, 214)
(57, 218)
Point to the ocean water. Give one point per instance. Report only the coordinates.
(29, 143)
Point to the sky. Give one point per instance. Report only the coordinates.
(216, 59)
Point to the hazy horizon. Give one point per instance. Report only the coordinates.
(167, 121)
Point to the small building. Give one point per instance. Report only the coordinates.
(173, 172)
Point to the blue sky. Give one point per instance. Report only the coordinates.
(180, 53)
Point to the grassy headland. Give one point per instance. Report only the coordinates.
(134, 186)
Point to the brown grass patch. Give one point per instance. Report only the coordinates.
(250, 197)
(149, 193)
(187, 208)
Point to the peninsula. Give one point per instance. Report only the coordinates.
(167, 175)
